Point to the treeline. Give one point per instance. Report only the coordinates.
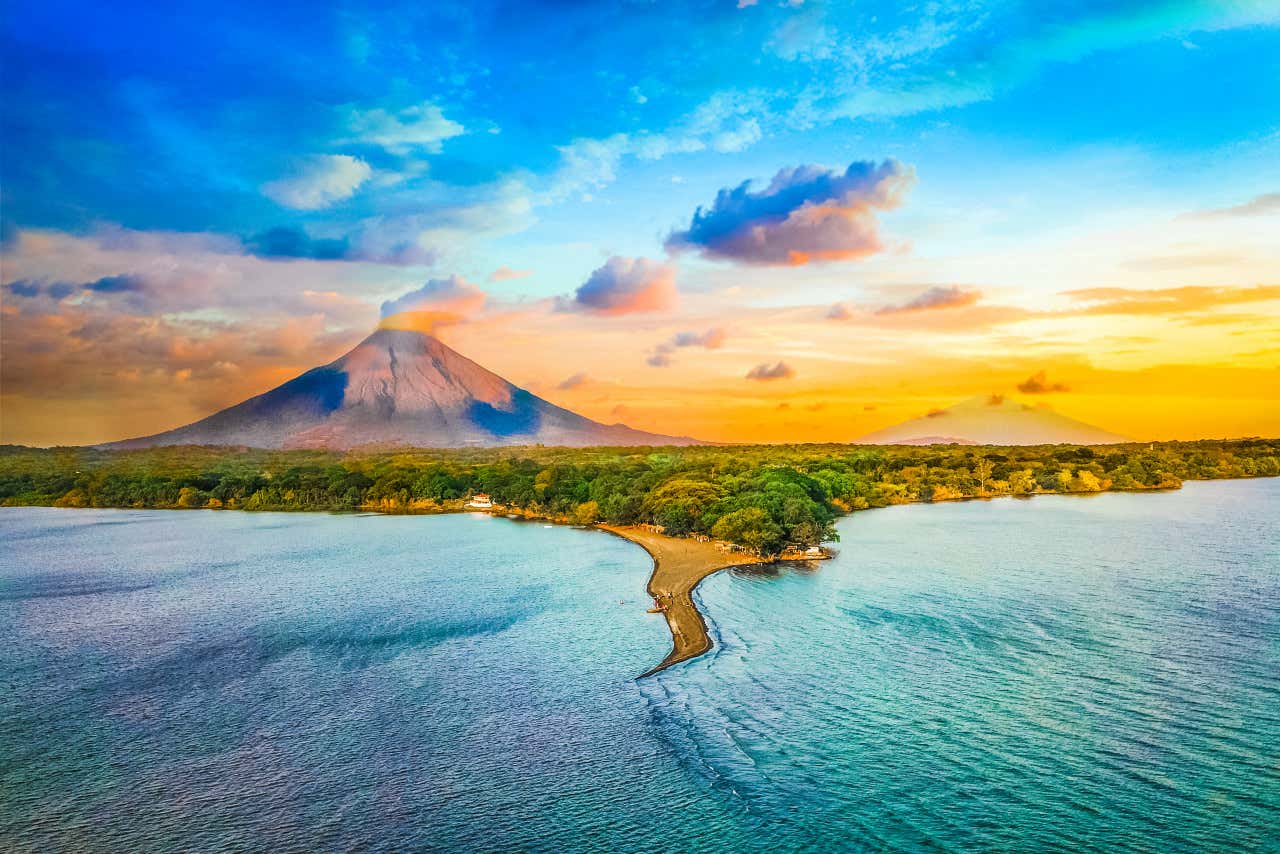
(765, 498)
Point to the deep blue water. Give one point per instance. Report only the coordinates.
(1084, 674)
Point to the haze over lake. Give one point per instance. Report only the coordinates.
(1096, 672)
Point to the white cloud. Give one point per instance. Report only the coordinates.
(319, 181)
(726, 122)
(421, 127)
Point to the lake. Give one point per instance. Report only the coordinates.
(1093, 673)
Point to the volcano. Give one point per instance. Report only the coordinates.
(994, 420)
(399, 388)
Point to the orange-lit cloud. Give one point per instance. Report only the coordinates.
(453, 295)
(574, 381)
(506, 274)
(626, 286)
(1038, 383)
(950, 296)
(777, 371)
(1166, 300)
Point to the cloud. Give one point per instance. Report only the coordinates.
(454, 296)
(125, 283)
(319, 182)
(806, 214)
(839, 311)
(506, 274)
(930, 85)
(765, 372)
(575, 381)
(1165, 300)
(1263, 205)
(1038, 383)
(287, 242)
(726, 122)
(626, 286)
(951, 296)
(712, 339)
(660, 357)
(24, 288)
(995, 399)
(421, 127)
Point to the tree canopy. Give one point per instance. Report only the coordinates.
(765, 498)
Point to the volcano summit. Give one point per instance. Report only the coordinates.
(401, 388)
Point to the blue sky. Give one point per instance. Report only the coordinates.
(363, 149)
(151, 118)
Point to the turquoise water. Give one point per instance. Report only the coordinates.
(1086, 674)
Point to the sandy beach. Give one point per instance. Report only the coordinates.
(679, 564)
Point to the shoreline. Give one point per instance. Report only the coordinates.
(679, 565)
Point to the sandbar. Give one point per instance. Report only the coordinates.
(679, 564)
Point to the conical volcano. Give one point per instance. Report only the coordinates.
(994, 420)
(399, 388)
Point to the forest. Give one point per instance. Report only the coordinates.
(766, 498)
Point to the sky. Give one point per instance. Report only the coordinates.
(741, 221)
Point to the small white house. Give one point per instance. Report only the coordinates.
(480, 501)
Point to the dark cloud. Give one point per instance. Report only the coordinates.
(805, 214)
(1038, 383)
(935, 413)
(765, 371)
(995, 400)
(285, 242)
(951, 296)
(24, 288)
(126, 283)
(626, 286)
(839, 311)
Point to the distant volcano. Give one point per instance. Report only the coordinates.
(399, 388)
(992, 421)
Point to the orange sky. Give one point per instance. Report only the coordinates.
(1185, 361)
